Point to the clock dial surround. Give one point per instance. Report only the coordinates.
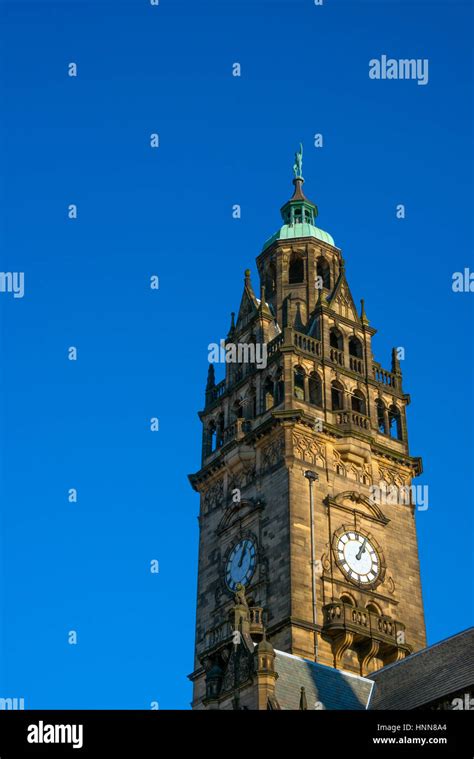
(358, 557)
(241, 563)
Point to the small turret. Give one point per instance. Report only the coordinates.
(213, 682)
(264, 658)
(264, 655)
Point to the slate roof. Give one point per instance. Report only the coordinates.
(427, 675)
(333, 688)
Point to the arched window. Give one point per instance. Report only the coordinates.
(358, 402)
(323, 271)
(238, 409)
(268, 394)
(337, 396)
(336, 339)
(249, 355)
(236, 372)
(211, 438)
(355, 347)
(380, 406)
(347, 600)
(270, 280)
(220, 431)
(280, 388)
(373, 608)
(315, 389)
(298, 382)
(296, 271)
(250, 405)
(395, 423)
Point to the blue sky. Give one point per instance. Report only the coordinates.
(142, 353)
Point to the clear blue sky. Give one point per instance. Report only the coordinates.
(223, 140)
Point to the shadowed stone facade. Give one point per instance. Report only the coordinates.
(322, 405)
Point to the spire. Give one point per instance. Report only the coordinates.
(263, 307)
(395, 362)
(298, 323)
(210, 385)
(298, 209)
(303, 702)
(248, 303)
(248, 286)
(299, 213)
(211, 377)
(363, 315)
(232, 325)
(298, 181)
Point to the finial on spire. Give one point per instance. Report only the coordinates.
(263, 307)
(303, 701)
(363, 315)
(211, 377)
(395, 362)
(298, 164)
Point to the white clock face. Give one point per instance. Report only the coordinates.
(358, 558)
(241, 563)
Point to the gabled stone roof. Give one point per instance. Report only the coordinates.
(427, 675)
(329, 687)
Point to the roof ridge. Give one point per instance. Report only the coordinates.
(422, 651)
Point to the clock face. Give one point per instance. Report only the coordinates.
(241, 563)
(357, 558)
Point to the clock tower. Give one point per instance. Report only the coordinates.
(307, 523)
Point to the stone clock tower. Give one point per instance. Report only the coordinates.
(297, 555)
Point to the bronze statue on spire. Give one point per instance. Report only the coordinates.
(298, 164)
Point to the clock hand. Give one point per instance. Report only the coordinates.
(244, 550)
(361, 550)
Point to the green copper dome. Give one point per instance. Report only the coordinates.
(290, 231)
(299, 213)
